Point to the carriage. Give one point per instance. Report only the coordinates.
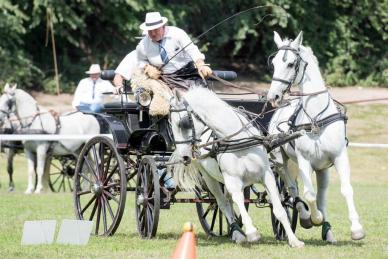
(135, 161)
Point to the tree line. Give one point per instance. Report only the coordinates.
(348, 37)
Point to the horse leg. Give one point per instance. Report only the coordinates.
(278, 210)
(305, 171)
(225, 206)
(342, 165)
(292, 186)
(31, 171)
(235, 187)
(223, 202)
(322, 185)
(41, 154)
(10, 155)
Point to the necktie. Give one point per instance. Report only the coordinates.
(94, 86)
(163, 52)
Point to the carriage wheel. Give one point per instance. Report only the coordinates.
(212, 220)
(147, 198)
(60, 171)
(100, 185)
(288, 205)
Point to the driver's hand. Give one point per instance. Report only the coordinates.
(152, 72)
(204, 70)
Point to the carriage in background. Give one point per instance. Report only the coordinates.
(59, 169)
(135, 160)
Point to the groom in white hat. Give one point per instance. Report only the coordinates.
(161, 50)
(89, 92)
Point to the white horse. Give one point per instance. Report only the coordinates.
(325, 143)
(37, 120)
(203, 109)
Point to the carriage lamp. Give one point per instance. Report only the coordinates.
(143, 97)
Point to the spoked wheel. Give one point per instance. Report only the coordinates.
(212, 220)
(147, 198)
(288, 205)
(100, 186)
(60, 171)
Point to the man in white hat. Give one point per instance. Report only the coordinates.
(157, 52)
(89, 92)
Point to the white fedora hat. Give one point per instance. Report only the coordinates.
(153, 21)
(94, 69)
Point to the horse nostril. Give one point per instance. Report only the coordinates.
(277, 97)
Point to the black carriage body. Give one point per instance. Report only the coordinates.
(133, 129)
(254, 106)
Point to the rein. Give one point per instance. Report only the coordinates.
(260, 93)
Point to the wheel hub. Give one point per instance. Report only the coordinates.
(141, 200)
(97, 188)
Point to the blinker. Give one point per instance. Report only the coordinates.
(185, 122)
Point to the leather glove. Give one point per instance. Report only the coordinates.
(204, 70)
(152, 72)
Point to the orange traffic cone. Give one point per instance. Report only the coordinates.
(186, 245)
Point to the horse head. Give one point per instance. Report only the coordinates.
(7, 102)
(186, 128)
(288, 67)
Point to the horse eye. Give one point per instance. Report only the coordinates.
(290, 65)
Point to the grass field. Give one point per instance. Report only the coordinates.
(369, 179)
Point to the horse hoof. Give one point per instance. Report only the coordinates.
(358, 234)
(306, 223)
(327, 234)
(238, 237)
(11, 189)
(296, 244)
(330, 238)
(38, 191)
(318, 221)
(253, 237)
(28, 191)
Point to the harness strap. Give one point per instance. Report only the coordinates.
(321, 123)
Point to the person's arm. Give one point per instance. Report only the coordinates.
(126, 68)
(204, 70)
(118, 80)
(191, 48)
(141, 54)
(149, 69)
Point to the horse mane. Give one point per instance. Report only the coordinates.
(310, 53)
(197, 95)
(25, 96)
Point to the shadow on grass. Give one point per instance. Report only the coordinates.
(318, 242)
(204, 240)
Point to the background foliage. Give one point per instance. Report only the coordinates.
(349, 40)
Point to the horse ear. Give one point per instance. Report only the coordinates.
(277, 39)
(14, 86)
(6, 87)
(298, 41)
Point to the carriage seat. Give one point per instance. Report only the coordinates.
(121, 107)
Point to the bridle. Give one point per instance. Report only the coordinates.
(11, 109)
(297, 66)
(187, 122)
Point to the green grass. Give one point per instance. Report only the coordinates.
(370, 183)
